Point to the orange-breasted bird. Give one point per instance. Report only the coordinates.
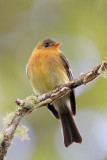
(48, 68)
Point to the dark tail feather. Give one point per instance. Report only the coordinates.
(70, 130)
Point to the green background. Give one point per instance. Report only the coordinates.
(81, 26)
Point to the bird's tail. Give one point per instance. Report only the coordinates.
(70, 130)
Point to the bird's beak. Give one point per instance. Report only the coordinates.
(57, 44)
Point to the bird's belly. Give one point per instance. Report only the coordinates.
(46, 79)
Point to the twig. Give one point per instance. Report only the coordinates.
(34, 102)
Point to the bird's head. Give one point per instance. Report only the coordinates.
(48, 44)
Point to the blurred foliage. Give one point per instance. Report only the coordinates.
(24, 23)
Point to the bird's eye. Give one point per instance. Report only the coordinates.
(46, 44)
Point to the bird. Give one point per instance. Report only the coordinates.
(48, 68)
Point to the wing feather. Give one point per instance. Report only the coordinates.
(69, 73)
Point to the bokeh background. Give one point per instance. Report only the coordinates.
(81, 26)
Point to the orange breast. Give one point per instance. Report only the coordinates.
(46, 71)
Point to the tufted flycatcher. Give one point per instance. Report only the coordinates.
(48, 68)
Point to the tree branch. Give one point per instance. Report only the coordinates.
(33, 102)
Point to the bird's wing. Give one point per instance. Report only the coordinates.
(53, 111)
(69, 73)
